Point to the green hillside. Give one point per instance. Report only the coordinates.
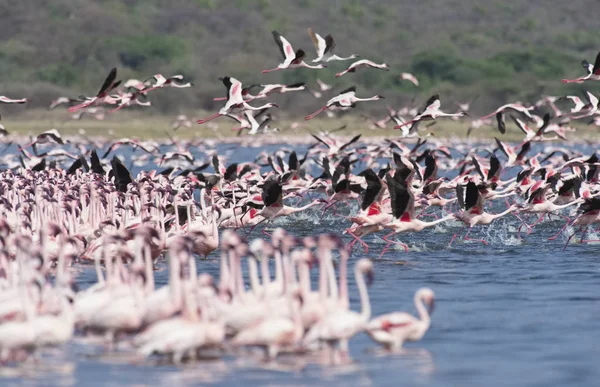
(493, 50)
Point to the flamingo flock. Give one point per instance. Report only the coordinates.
(64, 205)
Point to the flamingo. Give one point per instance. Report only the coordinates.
(512, 106)
(6, 100)
(403, 210)
(411, 78)
(361, 64)
(338, 326)
(590, 108)
(473, 213)
(103, 95)
(160, 82)
(393, 329)
(325, 47)
(234, 100)
(291, 60)
(51, 136)
(347, 98)
(593, 71)
(516, 156)
(431, 112)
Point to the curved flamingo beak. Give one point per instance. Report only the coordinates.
(431, 305)
(370, 277)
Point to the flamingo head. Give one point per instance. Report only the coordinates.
(379, 97)
(385, 66)
(365, 266)
(428, 296)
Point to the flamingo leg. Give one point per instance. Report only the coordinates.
(569, 239)
(83, 105)
(269, 71)
(583, 234)
(540, 219)
(455, 235)
(560, 231)
(404, 124)
(359, 240)
(210, 118)
(466, 237)
(391, 242)
(311, 116)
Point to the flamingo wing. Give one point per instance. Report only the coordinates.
(500, 120)
(321, 141)
(352, 141)
(319, 43)
(399, 195)
(284, 46)
(330, 44)
(471, 196)
(108, 82)
(596, 68)
(521, 125)
(299, 56)
(272, 192)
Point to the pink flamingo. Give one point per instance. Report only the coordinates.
(340, 325)
(473, 213)
(234, 100)
(362, 64)
(393, 329)
(291, 59)
(347, 98)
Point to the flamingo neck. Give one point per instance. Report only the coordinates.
(344, 300)
(364, 295)
(148, 269)
(421, 309)
(253, 274)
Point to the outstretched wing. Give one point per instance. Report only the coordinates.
(329, 44)
(110, 79)
(596, 69)
(284, 46)
(318, 42)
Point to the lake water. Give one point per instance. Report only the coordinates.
(515, 312)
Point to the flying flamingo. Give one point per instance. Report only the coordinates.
(431, 112)
(589, 214)
(403, 210)
(593, 71)
(324, 48)
(514, 157)
(411, 78)
(347, 98)
(234, 100)
(291, 60)
(393, 329)
(473, 213)
(103, 95)
(513, 106)
(361, 64)
(590, 108)
(4, 99)
(174, 81)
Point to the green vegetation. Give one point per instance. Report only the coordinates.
(494, 49)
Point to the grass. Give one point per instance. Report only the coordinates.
(139, 125)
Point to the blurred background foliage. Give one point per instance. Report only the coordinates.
(493, 50)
